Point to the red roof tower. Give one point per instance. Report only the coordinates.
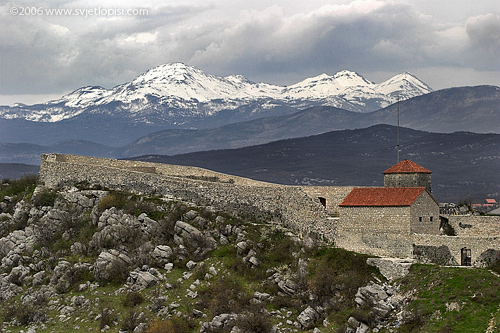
(407, 174)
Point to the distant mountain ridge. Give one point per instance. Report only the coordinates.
(464, 165)
(177, 93)
(472, 109)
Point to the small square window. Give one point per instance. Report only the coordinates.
(420, 219)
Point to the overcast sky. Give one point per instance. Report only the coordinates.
(445, 43)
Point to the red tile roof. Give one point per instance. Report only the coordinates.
(407, 166)
(491, 201)
(382, 196)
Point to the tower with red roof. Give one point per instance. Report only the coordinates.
(407, 174)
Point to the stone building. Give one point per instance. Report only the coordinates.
(375, 220)
(378, 220)
(407, 174)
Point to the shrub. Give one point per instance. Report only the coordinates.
(173, 325)
(225, 296)
(44, 198)
(18, 187)
(255, 322)
(131, 321)
(108, 316)
(333, 270)
(25, 314)
(113, 199)
(132, 298)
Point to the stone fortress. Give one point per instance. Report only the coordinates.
(398, 220)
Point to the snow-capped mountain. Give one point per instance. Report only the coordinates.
(177, 93)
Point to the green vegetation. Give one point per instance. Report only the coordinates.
(251, 256)
(17, 189)
(451, 299)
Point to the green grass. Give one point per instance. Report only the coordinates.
(475, 291)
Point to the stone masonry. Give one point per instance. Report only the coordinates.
(309, 210)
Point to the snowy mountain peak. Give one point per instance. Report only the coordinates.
(349, 79)
(174, 72)
(180, 91)
(82, 97)
(405, 85)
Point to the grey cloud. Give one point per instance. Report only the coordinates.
(484, 36)
(45, 55)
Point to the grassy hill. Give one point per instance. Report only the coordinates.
(90, 260)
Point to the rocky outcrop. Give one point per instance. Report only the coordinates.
(308, 318)
(392, 268)
(111, 264)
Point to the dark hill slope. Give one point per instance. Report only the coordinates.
(473, 109)
(464, 165)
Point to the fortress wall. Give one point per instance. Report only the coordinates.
(383, 233)
(288, 204)
(380, 231)
(148, 167)
(475, 225)
(334, 196)
(455, 243)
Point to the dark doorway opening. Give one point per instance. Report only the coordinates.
(466, 257)
(322, 201)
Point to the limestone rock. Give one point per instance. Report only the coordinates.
(392, 268)
(190, 215)
(109, 262)
(308, 317)
(8, 289)
(162, 253)
(190, 265)
(194, 236)
(288, 286)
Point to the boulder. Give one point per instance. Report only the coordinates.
(8, 289)
(308, 318)
(162, 253)
(18, 274)
(142, 280)
(194, 236)
(190, 215)
(109, 263)
(392, 268)
(190, 265)
(287, 286)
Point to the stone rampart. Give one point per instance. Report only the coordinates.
(455, 244)
(475, 225)
(383, 231)
(331, 196)
(288, 204)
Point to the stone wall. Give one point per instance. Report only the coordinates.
(333, 196)
(408, 180)
(288, 204)
(475, 225)
(381, 231)
(478, 245)
(425, 215)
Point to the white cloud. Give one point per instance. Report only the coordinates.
(279, 43)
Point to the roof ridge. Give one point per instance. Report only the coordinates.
(407, 166)
(382, 196)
